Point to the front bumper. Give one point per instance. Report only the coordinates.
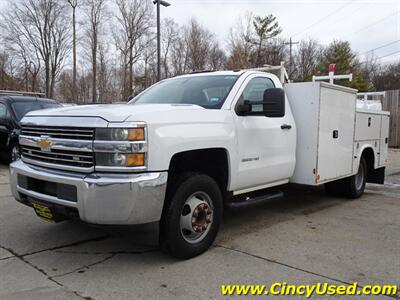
(101, 198)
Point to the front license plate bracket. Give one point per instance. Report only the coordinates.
(47, 211)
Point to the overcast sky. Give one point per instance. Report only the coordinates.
(366, 24)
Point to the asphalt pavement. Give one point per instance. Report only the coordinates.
(304, 238)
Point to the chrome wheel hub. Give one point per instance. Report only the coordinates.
(15, 153)
(196, 217)
(360, 177)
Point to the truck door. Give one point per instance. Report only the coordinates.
(266, 145)
(4, 127)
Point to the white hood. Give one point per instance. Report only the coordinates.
(113, 112)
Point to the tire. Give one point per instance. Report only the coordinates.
(354, 186)
(334, 188)
(14, 152)
(191, 217)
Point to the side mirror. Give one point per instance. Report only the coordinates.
(273, 105)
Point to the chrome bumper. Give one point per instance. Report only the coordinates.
(117, 199)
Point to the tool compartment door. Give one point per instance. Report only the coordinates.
(336, 133)
(384, 143)
(368, 126)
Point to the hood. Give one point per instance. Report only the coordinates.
(113, 112)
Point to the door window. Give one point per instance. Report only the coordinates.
(255, 89)
(3, 111)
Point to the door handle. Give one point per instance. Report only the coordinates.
(286, 126)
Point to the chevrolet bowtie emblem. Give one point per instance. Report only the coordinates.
(44, 143)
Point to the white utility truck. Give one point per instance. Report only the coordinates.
(185, 148)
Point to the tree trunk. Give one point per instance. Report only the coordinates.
(34, 78)
(74, 56)
(52, 83)
(94, 68)
(130, 71)
(47, 77)
(258, 63)
(124, 78)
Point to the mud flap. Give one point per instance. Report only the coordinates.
(376, 176)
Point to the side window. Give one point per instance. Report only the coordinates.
(3, 111)
(254, 91)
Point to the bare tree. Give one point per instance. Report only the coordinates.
(198, 41)
(42, 24)
(169, 35)
(28, 57)
(135, 23)
(240, 44)
(74, 5)
(150, 64)
(217, 57)
(95, 10)
(370, 69)
(104, 78)
(179, 54)
(307, 59)
(8, 78)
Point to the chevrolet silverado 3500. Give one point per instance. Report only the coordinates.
(183, 149)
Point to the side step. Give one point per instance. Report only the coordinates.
(253, 201)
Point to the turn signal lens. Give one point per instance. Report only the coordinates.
(135, 160)
(136, 134)
(120, 159)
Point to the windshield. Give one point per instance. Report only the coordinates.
(205, 91)
(21, 108)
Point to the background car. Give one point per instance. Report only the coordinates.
(12, 108)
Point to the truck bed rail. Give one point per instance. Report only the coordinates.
(21, 93)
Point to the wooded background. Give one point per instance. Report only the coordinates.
(84, 51)
(391, 103)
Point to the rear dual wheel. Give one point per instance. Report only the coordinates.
(352, 187)
(355, 185)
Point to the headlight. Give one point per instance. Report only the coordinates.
(120, 134)
(121, 149)
(120, 159)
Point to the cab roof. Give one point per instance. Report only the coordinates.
(223, 73)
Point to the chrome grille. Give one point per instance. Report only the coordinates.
(72, 133)
(62, 157)
(67, 148)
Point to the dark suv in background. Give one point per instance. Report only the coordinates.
(13, 106)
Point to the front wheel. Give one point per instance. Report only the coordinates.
(15, 152)
(192, 216)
